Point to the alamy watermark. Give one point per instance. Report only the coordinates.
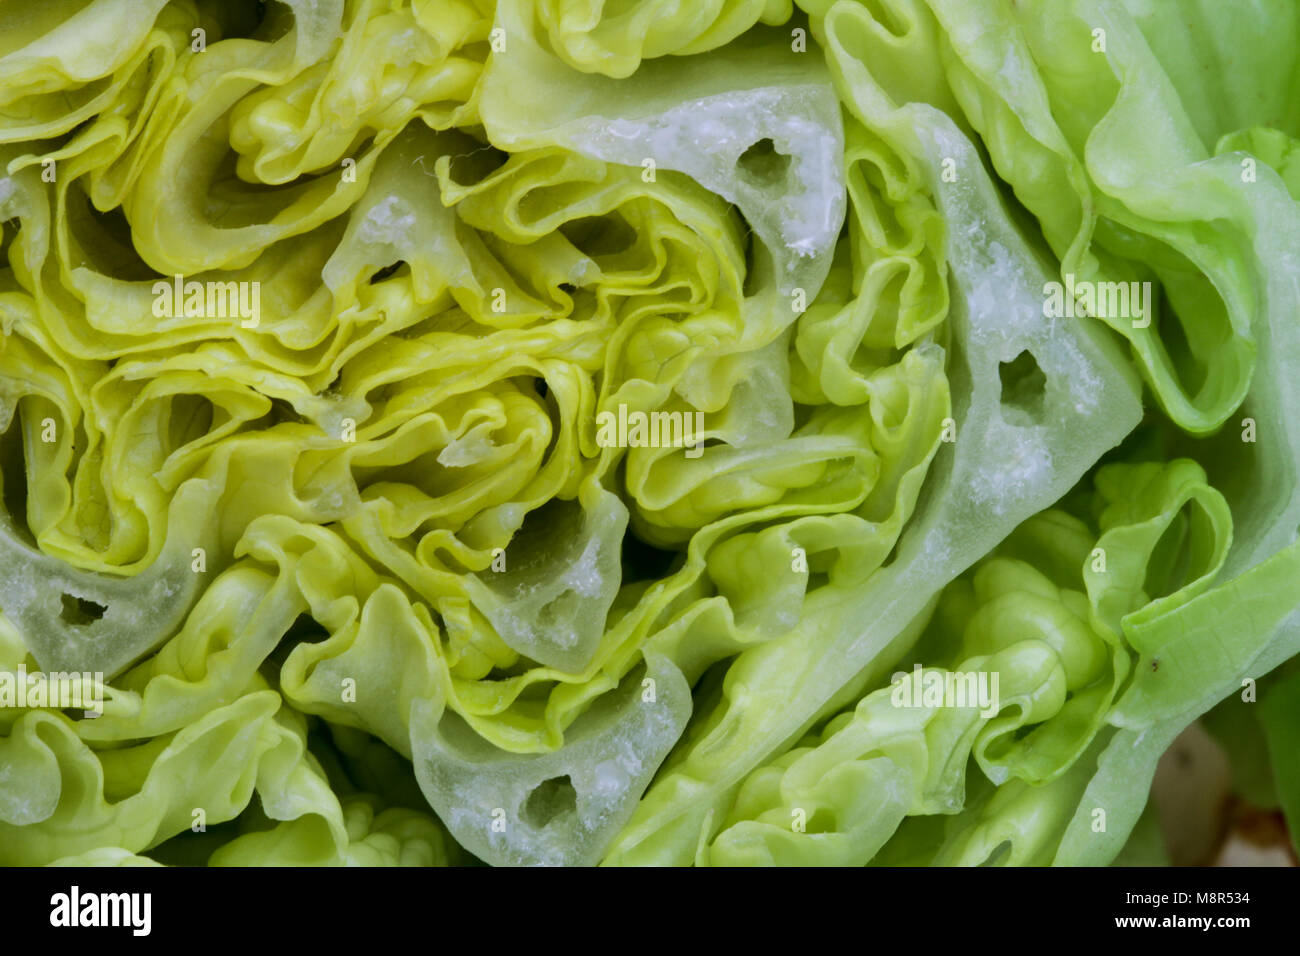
(75, 908)
(1101, 300)
(208, 300)
(937, 688)
(638, 429)
(58, 689)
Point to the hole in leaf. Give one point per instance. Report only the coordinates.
(79, 612)
(763, 165)
(386, 271)
(551, 799)
(1024, 385)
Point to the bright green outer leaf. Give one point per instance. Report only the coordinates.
(1098, 147)
(1264, 489)
(1146, 845)
(1262, 492)
(1243, 628)
(1233, 67)
(1234, 724)
(1280, 717)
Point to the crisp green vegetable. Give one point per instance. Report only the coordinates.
(569, 433)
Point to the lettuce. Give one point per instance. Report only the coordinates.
(332, 335)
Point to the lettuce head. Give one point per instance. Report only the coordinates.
(731, 432)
